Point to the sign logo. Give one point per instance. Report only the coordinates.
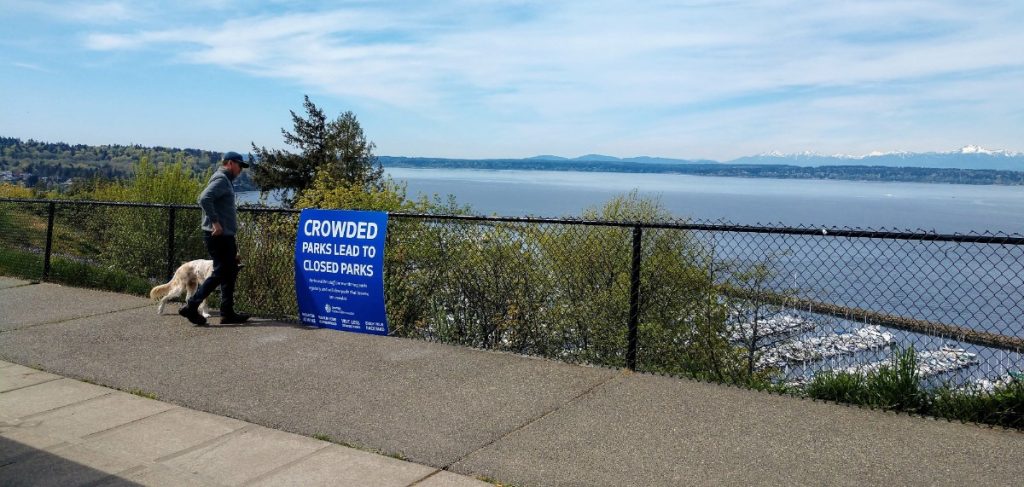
(339, 269)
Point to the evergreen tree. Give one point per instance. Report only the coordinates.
(337, 148)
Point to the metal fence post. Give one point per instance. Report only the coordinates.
(634, 300)
(49, 241)
(170, 242)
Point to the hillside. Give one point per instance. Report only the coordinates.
(33, 162)
(79, 160)
(968, 157)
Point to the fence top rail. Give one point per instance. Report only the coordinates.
(96, 203)
(178, 206)
(722, 227)
(982, 238)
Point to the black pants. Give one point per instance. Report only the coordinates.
(223, 251)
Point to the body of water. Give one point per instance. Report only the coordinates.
(944, 208)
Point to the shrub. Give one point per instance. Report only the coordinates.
(130, 237)
(175, 183)
(8, 190)
(1004, 406)
(681, 320)
(896, 385)
(839, 386)
(267, 286)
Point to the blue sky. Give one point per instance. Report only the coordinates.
(486, 79)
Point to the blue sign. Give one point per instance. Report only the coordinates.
(339, 270)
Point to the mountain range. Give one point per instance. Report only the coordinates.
(968, 165)
(968, 157)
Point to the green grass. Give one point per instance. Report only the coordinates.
(94, 276)
(898, 387)
(141, 393)
(839, 387)
(28, 265)
(329, 439)
(25, 265)
(491, 480)
(1003, 407)
(398, 456)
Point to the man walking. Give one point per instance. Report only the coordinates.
(220, 222)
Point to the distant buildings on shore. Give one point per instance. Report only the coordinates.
(29, 180)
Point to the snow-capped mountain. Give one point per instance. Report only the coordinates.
(973, 149)
(967, 157)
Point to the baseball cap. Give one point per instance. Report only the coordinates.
(234, 156)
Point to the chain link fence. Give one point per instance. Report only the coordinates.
(793, 308)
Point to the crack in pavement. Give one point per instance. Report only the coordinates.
(541, 416)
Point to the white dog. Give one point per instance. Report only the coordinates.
(187, 278)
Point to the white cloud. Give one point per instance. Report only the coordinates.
(33, 67)
(537, 68)
(80, 12)
(626, 44)
(111, 42)
(100, 12)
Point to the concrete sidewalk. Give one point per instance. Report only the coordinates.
(58, 431)
(481, 414)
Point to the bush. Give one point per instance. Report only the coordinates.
(894, 386)
(681, 319)
(898, 386)
(175, 183)
(840, 387)
(1004, 406)
(266, 241)
(8, 190)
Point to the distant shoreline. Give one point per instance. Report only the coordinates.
(844, 173)
(32, 163)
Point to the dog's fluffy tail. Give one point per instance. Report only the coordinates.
(159, 291)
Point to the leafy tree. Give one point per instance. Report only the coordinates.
(129, 237)
(80, 162)
(170, 183)
(752, 294)
(682, 321)
(338, 148)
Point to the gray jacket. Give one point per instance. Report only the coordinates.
(218, 203)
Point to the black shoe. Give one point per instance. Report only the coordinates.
(233, 318)
(192, 315)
